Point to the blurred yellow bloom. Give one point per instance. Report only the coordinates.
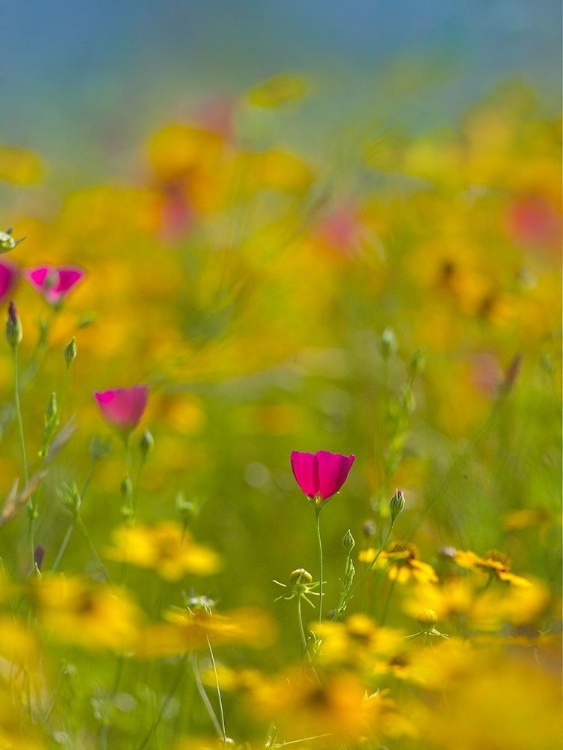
(278, 90)
(17, 643)
(356, 642)
(493, 562)
(338, 706)
(87, 614)
(401, 559)
(188, 630)
(20, 166)
(167, 548)
(496, 704)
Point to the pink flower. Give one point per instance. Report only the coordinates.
(123, 407)
(54, 283)
(8, 277)
(320, 475)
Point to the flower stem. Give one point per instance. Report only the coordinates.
(30, 503)
(301, 627)
(319, 539)
(364, 575)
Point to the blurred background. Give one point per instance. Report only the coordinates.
(306, 225)
(84, 82)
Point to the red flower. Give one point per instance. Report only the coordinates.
(54, 283)
(320, 475)
(8, 278)
(123, 407)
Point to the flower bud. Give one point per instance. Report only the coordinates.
(396, 505)
(126, 488)
(146, 443)
(14, 332)
(186, 508)
(51, 412)
(388, 345)
(38, 555)
(99, 448)
(428, 618)
(7, 242)
(300, 575)
(417, 362)
(70, 352)
(348, 542)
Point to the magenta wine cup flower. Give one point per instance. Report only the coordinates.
(122, 408)
(320, 475)
(54, 283)
(8, 278)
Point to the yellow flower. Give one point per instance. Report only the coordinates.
(356, 642)
(87, 614)
(493, 562)
(402, 562)
(338, 708)
(166, 548)
(188, 630)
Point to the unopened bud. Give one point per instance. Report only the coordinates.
(448, 553)
(7, 242)
(348, 542)
(417, 361)
(396, 504)
(38, 555)
(14, 332)
(51, 412)
(185, 507)
(388, 343)
(146, 443)
(70, 352)
(300, 576)
(126, 488)
(99, 448)
(428, 618)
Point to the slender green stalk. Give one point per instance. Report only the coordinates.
(30, 503)
(387, 602)
(19, 415)
(320, 542)
(72, 524)
(219, 699)
(205, 699)
(364, 575)
(301, 627)
(90, 543)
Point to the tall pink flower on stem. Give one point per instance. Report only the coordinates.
(55, 283)
(320, 475)
(122, 408)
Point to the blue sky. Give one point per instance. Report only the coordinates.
(77, 71)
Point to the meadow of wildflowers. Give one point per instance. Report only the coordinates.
(196, 356)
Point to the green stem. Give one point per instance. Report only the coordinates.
(320, 542)
(219, 699)
(70, 529)
(387, 601)
(30, 503)
(90, 543)
(364, 575)
(301, 627)
(205, 698)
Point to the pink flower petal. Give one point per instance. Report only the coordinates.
(54, 283)
(333, 472)
(8, 277)
(306, 473)
(123, 407)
